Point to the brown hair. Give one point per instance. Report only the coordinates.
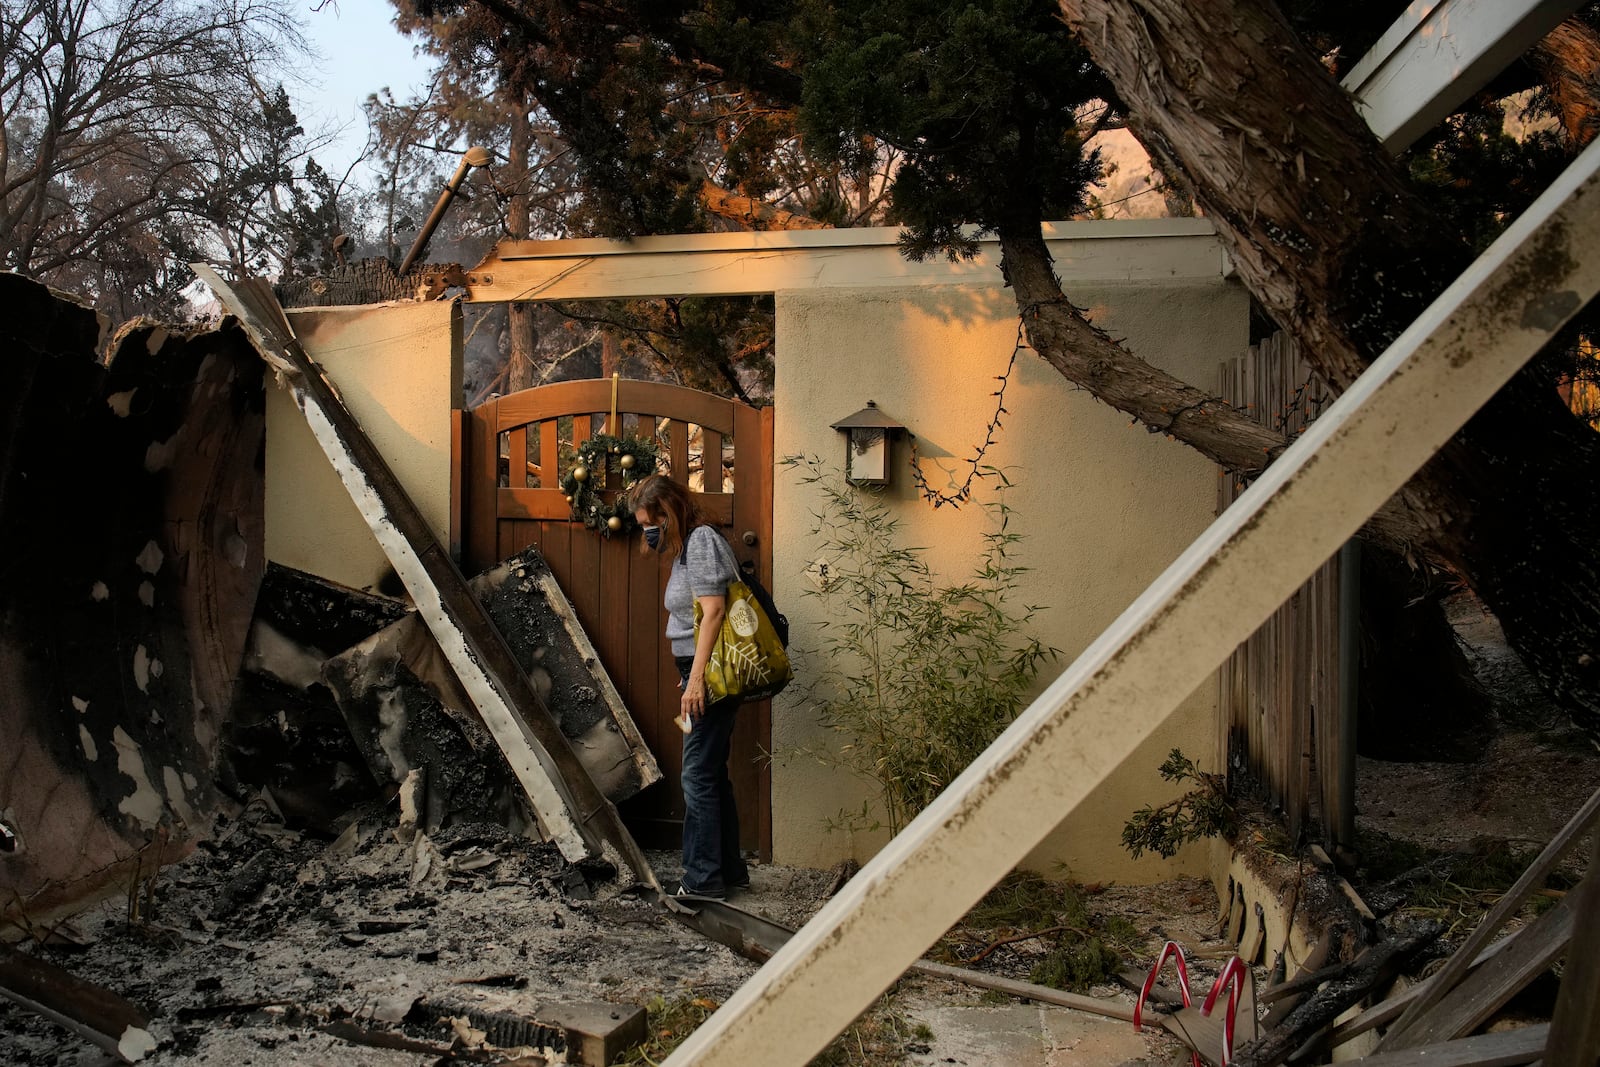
(668, 503)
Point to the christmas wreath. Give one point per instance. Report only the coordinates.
(632, 457)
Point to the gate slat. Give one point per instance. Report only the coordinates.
(710, 460)
(549, 455)
(679, 431)
(517, 458)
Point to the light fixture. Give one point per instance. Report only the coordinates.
(869, 445)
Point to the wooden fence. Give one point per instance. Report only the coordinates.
(1286, 722)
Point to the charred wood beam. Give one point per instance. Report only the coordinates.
(1377, 966)
(88, 1010)
(1575, 1027)
(571, 809)
(1456, 968)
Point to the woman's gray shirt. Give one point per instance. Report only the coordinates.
(704, 568)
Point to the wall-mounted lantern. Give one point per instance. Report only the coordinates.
(869, 435)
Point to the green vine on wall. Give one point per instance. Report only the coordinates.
(632, 457)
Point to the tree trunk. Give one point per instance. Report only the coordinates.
(1568, 61)
(1086, 356)
(1343, 255)
(519, 316)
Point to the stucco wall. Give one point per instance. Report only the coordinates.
(1103, 506)
(398, 368)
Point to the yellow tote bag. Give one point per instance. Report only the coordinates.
(747, 661)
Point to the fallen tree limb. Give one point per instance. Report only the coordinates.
(1108, 1008)
(757, 938)
(990, 949)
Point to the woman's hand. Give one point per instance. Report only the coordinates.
(693, 702)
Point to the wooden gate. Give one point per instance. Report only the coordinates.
(513, 453)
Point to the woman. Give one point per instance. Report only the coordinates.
(702, 566)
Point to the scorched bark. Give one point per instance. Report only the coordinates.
(1343, 254)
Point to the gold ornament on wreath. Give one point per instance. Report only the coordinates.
(632, 458)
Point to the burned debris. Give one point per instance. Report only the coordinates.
(268, 937)
(368, 863)
(170, 690)
(131, 492)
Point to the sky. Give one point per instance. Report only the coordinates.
(361, 52)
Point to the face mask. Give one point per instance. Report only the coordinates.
(652, 536)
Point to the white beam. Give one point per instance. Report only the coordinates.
(1501, 311)
(1438, 54)
(739, 264)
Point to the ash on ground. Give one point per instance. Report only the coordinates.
(246, 950)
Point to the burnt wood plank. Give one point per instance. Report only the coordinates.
(88, 1010)
(1575, 1027)
(1504, 1049)
(1491, 984)
(1455, 968)
(571, 808)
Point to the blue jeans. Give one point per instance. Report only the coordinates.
(711, 859)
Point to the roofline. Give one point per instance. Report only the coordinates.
(767, 261)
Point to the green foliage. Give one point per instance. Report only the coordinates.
(1076, 964)
(1024, 899)
(916, 677)
(1204, 811)
(721, 345)
(1085, 948)
(984, 100)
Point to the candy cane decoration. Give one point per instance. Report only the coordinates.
(1233, 975)
(1175, 951)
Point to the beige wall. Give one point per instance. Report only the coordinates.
(398, 368)
(1103, 505)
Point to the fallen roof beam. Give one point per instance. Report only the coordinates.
(569, 806)
(769, 261)
(1437, 54)
(1458, 353)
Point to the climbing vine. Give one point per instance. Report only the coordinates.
(978, 469)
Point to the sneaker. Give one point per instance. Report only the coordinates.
(686, 894)
(742, 885)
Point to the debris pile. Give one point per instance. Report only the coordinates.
(474, 943)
